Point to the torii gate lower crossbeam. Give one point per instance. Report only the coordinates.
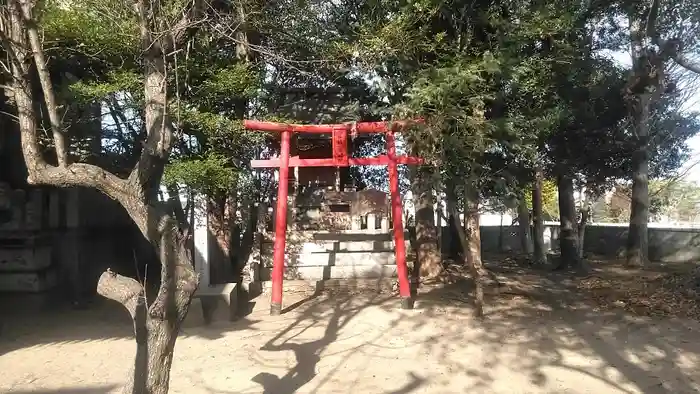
(340, 159)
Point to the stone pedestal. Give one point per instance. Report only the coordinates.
(213, 303)
(201, 240)
(371, 222)
(385, 224)
(355, 223)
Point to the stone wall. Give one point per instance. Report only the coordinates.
(56, 242)
(666, 244)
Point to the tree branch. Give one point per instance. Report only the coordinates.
(39, 172)
(652, 16)
(26, 7)
(672, 49)
(124, 290)
(183, 27)
(147, 173)
(686, 63)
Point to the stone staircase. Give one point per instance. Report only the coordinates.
(349, 254)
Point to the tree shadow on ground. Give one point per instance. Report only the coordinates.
(540, 328)
(71, 390)
(101, 320)
(335, 311)
(554, 330)
(541, 334)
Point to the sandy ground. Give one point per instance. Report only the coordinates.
(365, 344)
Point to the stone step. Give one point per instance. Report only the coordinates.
(334, 259)
(30, 282)
(21, 259)
(313, 286)
(336, 246)
(376, 271)
(343, 236)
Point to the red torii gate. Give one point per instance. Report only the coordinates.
(340, 159)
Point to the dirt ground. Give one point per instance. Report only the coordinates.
(544, 333)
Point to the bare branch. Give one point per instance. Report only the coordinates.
(686, 63)
(124, 290)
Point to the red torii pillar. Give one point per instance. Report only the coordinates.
(340, 159)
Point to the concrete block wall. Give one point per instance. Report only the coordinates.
(666, 244)
(61, 240)
(27, 255)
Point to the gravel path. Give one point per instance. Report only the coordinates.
(364, 344)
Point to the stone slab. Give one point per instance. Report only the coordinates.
(24, 259)
(31, 282)
(333, 259)
(213, 303)
(313, 286)
(341, 235)
(337, 246)
(334, 272)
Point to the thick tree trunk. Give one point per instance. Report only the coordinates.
(156, 326)
(428, 254)
(524, 226)
(220, 207)
(645, 86)
(637, 236)
(470, 241)
(568, 239)
(538, 219)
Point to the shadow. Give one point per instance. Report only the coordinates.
(544, 327)
(415, 383)
(542, 333)
(317, 292)
(101, 322)
(72, 390)
(308, 354)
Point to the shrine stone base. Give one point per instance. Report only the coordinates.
(339, 255)
(380, 285)
(213, 303)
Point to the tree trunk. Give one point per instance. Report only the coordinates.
(470, 241)
(568, 239)
(428, 254)
(538, 219)
(500, 234)
(644, 87)
(45, 80)
(156, 326)
(638, 236)
(218, 211)
(585, 214)
(453, 221)
(524, 226)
